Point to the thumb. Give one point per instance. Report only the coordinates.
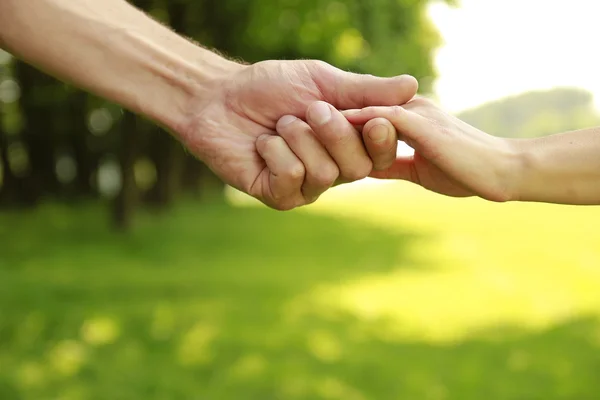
(351, 90)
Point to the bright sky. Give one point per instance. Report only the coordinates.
(495, 48)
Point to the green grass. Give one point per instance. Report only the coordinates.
(380, 293)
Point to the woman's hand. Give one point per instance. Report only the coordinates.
(451, 157)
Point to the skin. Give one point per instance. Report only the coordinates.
(456, 159)
(228, 114)
(288, 162)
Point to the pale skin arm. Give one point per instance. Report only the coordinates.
(113, 50)
(456, 159)
(225, 113)
(562, 168)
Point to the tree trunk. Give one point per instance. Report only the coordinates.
(212, 188)
(169, 160)
(38, 134)
(85, 159)
(192, 172)
(8, 188)
(125, 202)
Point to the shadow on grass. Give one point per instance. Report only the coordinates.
(192, 305)
(192, 252)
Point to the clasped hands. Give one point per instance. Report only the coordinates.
(450, 157)
(286, 131)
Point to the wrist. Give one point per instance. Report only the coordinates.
(190, 86)
(519, 160)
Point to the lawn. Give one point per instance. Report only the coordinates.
(374, 293)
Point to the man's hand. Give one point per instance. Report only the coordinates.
(273, 129)
(225, 113)
(451, 157)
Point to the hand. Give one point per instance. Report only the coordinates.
(451, 157)
(234, 128)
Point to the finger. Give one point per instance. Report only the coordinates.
(321, 169)
(402, 168)
(381, 141)
(358, 91)
(341, 140)
(410, 126)
(286, 172)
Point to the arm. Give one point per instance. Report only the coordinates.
(456, 159)
(562, 168)
(113, 50)
(223, 112)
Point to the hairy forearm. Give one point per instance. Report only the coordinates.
(562, 168)
(113, 50)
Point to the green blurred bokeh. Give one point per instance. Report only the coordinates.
(375, 292)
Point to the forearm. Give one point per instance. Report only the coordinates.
(562, 168)
(113, 50)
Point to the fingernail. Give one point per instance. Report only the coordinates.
(319, 113)
(351, 112)
(286, 120)
(378, 133)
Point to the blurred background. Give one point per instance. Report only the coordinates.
(128, 271)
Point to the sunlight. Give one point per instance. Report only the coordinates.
(496, 48)
(522, 265)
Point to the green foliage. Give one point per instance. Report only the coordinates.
(536, 113)
(382, 37)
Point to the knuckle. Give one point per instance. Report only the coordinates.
(281, 206)
(277, 198)
(420, 101)
(359, 172)
(325, 177)
(287, 204)
(397, 111)
(318, 64)
(287, 125)
(370, 110)
(294, 133)
(296, 172)
(496, 194)
(266, 141)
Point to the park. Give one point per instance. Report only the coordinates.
(129, 270)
